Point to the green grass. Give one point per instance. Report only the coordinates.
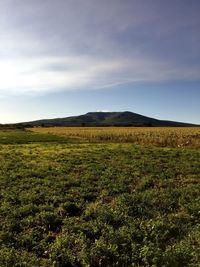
(106, 204)
(24, 137)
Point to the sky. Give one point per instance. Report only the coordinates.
(67, 57)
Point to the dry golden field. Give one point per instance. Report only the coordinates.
(164, 137)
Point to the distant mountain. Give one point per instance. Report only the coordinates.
(125, 118)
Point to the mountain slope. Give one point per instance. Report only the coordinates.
(106, 119)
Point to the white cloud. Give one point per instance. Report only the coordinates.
(41, 75)
(38, 75)
(103, 110)
(74, 44)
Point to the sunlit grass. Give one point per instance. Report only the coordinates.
(90, 197)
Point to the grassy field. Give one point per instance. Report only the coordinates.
(24, 137)
(100, 197)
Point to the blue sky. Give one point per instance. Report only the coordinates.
(68, 57)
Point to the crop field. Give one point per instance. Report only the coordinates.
(72, 197)
(162, 137)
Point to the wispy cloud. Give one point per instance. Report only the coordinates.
(69, 45)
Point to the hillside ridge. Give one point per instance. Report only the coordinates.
(124, 118)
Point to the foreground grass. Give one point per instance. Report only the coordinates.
(156, 136)
(107, 204)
